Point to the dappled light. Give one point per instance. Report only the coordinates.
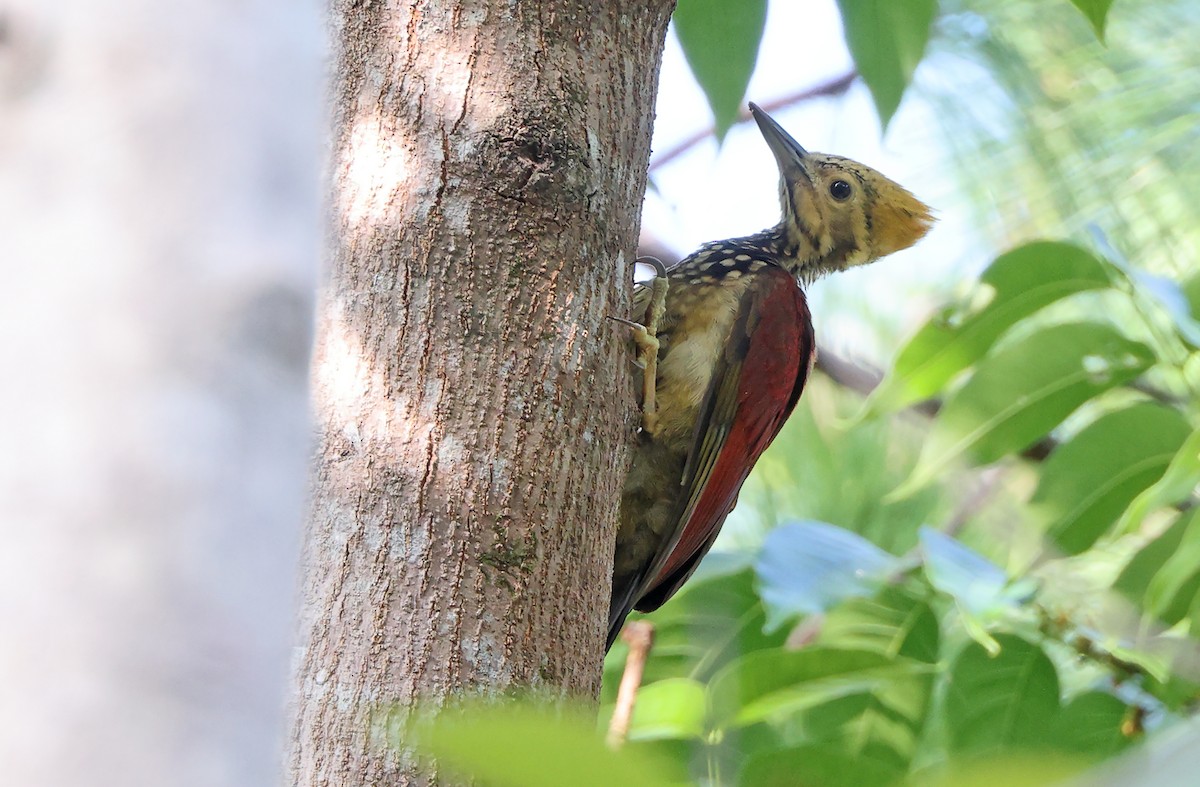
(377, 169)
(379, 173)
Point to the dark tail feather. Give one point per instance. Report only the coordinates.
(614, 630)
(618, 609)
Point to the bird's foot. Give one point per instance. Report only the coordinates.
(645, 338)
(658, 293)
(647, 361)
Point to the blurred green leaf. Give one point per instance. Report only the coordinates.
(815, 765)
(1006, 702)
(882, 725)
(1175, 687)
(887, 39)
(1016, 285)
(1009, 770)
(1088, 481)
(671, 708)
(512, 745)
(720, 40)
(1177, 484)
(773, 684)
(1140, 570)
(1020, 393)
(1091, 725)
(1171, 591)
(892, 622)
(869, 705)
(1096, 12)
(807, 567)
(710, 622)
(1191, 291)
(676, 757)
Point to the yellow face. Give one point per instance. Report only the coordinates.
(838, 213)
(845, 214)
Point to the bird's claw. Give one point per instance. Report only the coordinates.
(658, 293)
(637, 326)
(646, 342)
(660, 269)
(645, 337)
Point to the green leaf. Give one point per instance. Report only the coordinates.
(710, 622)
(514, 745)
(1088, 481)
(774, 684)
(1192, 589)
(1091, 725)
(892, 623)
(1013, 287)
(1009, 701)
(1041, 769)
(882, 725)
(1174, 688)
(807, 567)
(672, 708)
(1020, 393)
(1176, 485)
(720, 40)
(1135, 578)
(1172, 590)
(1191, 291)
(1096, 12)
(871, 706)
(815, 765)
(887, 39)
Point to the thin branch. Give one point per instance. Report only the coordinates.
(640, 636)
(834, 87)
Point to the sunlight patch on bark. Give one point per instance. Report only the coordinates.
(377, 167)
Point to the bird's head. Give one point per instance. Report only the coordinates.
(838, 213)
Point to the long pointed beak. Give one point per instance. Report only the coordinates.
(788, 152)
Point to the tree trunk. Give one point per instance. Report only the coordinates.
(159, 232)
(473, 403)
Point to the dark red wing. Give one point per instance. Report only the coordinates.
(757, 382)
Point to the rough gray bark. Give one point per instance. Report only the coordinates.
(159, 238)
(473, 404)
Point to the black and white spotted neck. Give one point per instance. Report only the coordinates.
(733, 258)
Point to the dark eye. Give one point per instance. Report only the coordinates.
(839, 190)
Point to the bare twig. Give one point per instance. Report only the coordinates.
(833, 87)
(640, 636)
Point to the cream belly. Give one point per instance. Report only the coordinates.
(693, 334)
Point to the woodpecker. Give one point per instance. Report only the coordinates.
(725, 342)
